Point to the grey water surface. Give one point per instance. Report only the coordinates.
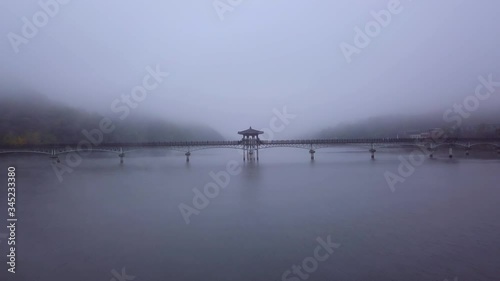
(106, 221)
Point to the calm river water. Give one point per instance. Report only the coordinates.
(275, 220)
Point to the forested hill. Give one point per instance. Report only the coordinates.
(482, 124)
(34, 119)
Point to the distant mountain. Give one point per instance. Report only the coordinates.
(398, 125)
(34, 119)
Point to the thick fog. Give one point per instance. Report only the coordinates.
(232, 64)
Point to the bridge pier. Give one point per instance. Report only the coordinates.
(450, 152)
(312, 151)
(372, 151)
(250, 154)
(187, 156)
(121, 155)
(54, 156)
(467, 149)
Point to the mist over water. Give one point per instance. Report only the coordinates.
(230, 73)
(441, 223)
(115, 76)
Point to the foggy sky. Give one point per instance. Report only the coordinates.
(264, 55)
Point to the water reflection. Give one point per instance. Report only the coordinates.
(442, 219)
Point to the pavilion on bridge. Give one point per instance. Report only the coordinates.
(251, 143)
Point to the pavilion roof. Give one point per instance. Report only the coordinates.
(250, 131)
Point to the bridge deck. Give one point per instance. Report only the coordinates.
(263, 142)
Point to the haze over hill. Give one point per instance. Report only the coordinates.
(34, 119)
(401, 125)
(233, 73)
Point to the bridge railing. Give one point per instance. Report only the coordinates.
(261, 142)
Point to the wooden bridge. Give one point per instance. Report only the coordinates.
(252, 145)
